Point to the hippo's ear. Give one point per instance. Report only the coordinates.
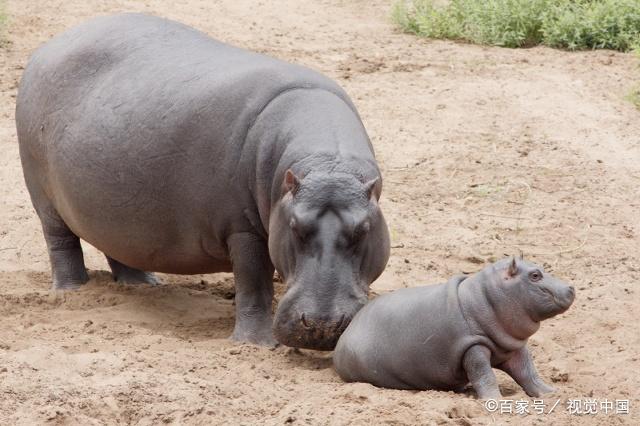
(513, 268)
(291, 182)
(373, 188)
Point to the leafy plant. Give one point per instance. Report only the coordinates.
(3, 20)
(634, 96)
(570, 24)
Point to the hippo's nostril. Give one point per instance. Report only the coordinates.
(572, 290)
(304, 321)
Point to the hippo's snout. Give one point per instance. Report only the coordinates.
(307, 322)
(566, 298)
(310, 323)
(310, 331)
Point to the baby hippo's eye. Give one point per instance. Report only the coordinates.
(535, 275)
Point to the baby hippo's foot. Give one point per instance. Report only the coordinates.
(488, 392)
(538, 388)
(520, 367)
(127, 275)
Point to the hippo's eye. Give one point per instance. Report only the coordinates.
(535, 275)
(356, 234)
(300, 229)
(362, 230)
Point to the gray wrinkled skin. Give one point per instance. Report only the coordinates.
(449, 335)
(172, 152)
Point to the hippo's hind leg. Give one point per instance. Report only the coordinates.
(520, 367)
(125, 274)
(253, 273)
(65, 252)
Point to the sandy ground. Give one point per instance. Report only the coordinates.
(485, 152)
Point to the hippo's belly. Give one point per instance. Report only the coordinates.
(144, 211)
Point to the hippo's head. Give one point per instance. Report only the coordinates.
(527, 286)
(329, 241)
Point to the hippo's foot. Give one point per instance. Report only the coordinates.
(520, 367)
(67, 261)
(255, 332)
(69, 284)
(136, 277)
(127, 275)
(253, 274)
(538, 388)
(484, 393)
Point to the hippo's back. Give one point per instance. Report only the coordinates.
(135, 73)
(133, 125)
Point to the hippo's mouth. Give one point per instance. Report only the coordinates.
(316, 340)
(307, 333)
(563, 305)
(308, 320)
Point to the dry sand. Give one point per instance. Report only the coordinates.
(485, 152)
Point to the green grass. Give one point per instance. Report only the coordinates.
(3, 21)
(567, 24)
(634, 97)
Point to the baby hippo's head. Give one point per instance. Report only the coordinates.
(540, 294)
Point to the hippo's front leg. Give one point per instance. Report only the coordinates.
(520, 367)
(477, 365)
(253, 272)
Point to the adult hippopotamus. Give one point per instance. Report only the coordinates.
(448, 335)
(173, 152)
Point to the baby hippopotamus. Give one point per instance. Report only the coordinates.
(449, 335)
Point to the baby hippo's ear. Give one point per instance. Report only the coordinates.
(513, 268)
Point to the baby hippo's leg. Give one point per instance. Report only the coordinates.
(477, 365)
(521, 368)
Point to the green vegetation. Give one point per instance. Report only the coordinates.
(634, 96)
(569, 24)
(3, 20)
